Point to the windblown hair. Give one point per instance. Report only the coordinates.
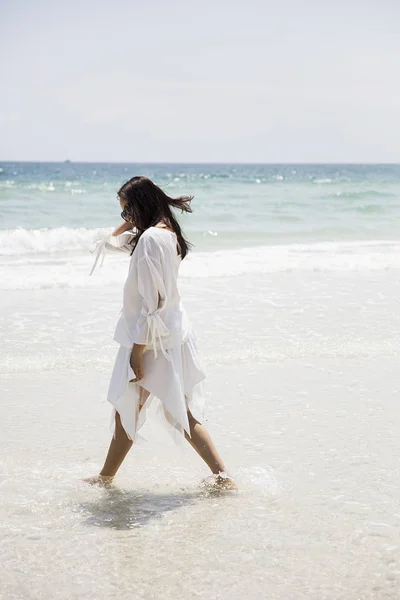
(147, 204)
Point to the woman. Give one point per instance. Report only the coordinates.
(157, 361)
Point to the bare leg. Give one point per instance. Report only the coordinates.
(201, 441)
(119, 448)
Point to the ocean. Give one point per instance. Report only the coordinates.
(292, 287)
(235, 204)
(247, 218)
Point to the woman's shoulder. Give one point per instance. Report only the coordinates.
(151, 236)
(150, 242)
(156, 234)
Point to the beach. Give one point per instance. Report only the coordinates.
(299, 333)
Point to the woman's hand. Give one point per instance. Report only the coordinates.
(136, 362)
(125, 226)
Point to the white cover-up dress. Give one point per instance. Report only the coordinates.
(153, 314)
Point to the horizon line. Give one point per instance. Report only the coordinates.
(104, 162)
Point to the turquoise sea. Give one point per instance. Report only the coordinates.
(53, 212)
(237, 202)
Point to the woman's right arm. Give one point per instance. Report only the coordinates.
(125, 225)
(119, 244)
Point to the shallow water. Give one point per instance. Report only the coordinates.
(302, 393)
(316, 515)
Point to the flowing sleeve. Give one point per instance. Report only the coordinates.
(153, 293)
(111, 243)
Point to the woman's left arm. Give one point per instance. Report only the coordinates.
(152, 290)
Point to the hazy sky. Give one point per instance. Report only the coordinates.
(176, 81)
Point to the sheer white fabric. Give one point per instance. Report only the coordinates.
(153, 315)
(118, 243)
(152, 312)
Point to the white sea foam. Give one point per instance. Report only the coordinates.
(56, 268)
(328, 256)
(60, 239)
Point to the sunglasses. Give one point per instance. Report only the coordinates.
(125, 216)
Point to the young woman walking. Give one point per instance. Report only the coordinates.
(157, 361)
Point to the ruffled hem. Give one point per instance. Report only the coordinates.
(169, 389)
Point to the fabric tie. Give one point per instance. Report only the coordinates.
(156, 329)
(119, 243)
(101, 250)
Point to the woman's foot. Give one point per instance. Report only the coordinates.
(225, 482)
(220, 482)
(99, 480)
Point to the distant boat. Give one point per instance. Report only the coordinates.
(67, 161)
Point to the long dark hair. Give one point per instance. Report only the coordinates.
(147, 204)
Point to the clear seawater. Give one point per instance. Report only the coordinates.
(319, 215)
(238, 203)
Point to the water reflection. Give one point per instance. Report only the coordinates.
(127, 509)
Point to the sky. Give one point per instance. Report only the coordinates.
(210, 81)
